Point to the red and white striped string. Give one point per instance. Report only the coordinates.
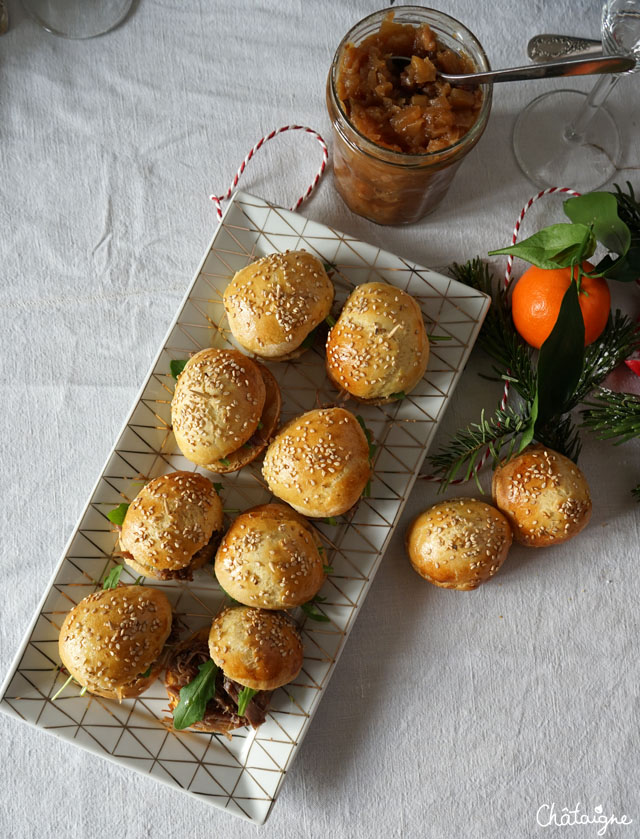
(218, 199)
(507, 283)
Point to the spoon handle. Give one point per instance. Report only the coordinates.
(569, 67)
(552, 47)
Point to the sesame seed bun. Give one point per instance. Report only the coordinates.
(169, 525)
(459, 543)
(269, 558)
(544, 495)
(224, 409)
(378, 346)
(319, 462)
(256, 648)
(258, 441)
(113, 636)
(274, 303)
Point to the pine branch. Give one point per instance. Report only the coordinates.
(469, 444)
(498, 337)
(620, 339)
(629, 211)
(562, 435)
(613, 415)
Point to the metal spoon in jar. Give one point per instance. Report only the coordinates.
(568, 67)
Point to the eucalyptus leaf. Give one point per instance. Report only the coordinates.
(244, 698)
(561, 359)
(195, 696)
(599, 210)
(557, 246)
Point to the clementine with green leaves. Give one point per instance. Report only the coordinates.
(537, 297)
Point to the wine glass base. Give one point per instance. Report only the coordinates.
(78, 19)
(548, 158)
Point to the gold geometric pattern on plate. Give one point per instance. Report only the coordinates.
(242, 775)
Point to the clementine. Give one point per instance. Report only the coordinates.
(537, 296)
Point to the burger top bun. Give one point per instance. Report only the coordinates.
(319, 462)
(459, 543)
(216, 405)
(255, 647)
(114, 636)
(170, 520)
(544, 495)
(274, 303)
(378, 347)
(269, 558)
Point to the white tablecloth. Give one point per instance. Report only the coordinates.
(450, 714)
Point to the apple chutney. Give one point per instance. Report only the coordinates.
(400, 131)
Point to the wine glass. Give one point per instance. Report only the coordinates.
(78, 18)
(568, 138)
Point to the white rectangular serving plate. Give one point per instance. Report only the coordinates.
(243, 775)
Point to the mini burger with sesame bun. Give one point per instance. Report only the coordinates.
(319, 462)
(378, 349)
(113, 642)
(270, 558)
(224, 410)
(172, 527)
(222, 678)
(273, 304)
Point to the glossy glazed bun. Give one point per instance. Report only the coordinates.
(319, 462)
(544, 495)
(269, 558)
(459, 543)
(378, 347)
(257, 648)
(274, 303)
(224, 409)
(169, 524)
(114, 636)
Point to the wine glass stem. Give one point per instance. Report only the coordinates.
(603, 87)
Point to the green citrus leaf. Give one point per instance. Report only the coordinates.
(624, 269)
(557, 246)
(599, 210)
(195, 696)
(527, 437)
(561, 359)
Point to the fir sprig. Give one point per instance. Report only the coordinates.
(613, 416)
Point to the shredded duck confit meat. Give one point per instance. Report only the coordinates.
(221, 713)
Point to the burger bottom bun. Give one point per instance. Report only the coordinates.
(259, 440)
(200, 558)
(133, 689)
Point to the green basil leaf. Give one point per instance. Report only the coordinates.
(553, 247)
(330, 320)
(195, 696)
(309, 341)
(177, 366)
(328, 266)
(599, 210)
(224, 460)
(332, 520)
(366, 492)
(369, 435)
(113, 577)
(146, 673)
(117, 515)
(244, 698)
(327, 569)
(397, 396)
(561, 359)
(226, 594)
(527, 437)
(217, 487)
